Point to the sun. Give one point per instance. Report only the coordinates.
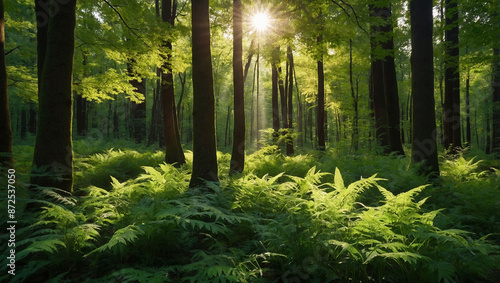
(261, 21)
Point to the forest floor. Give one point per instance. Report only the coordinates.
(314, 217)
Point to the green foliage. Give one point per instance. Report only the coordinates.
(300, 224)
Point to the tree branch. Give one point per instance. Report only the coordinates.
(124, 22)
(353, 11)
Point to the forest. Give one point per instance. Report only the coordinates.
(250, 140)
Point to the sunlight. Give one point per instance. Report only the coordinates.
(261, 21)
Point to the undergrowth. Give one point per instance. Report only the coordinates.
(286, 219)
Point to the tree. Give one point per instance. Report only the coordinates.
(495, 81)
(384, 86)
(238, 153)
(204, 142)
(53, 145)
(289, 138)
(451, 121)
(5, 124)
(137, 108)
(173, 153)
(320, 120)
(424, 148)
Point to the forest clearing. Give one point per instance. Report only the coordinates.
(250, 141)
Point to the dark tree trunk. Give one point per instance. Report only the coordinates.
(495, 81)
(6, 158)
(32, 118)
(281, 88)
(24, 122)
(238, 152)
(53, 146)
(320, 122)
(137, 109)
(289, 139)
(174, 153)
(249, 60)
(204, 143)
(155, 113)
(451, 122)
(424, 148)
(274, 93)
(384, 85)
(300, 140)
(81, 116)
(354, 96)
(468, 133)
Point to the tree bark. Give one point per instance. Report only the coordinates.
(238, 152)
(384, 85)
(204, 143)
(495, 81)
(6, 158)
(354, 96)
(174, 153)
(137, 109)
(320, 120)
(451, 111)
(274, 93)
(53, 145)
(289, 139)
(424, 148)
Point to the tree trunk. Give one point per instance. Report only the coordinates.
(174, 153)
(384, 82)
(53, 146)
(321, 105)
(289, 138)
(238, 152)
(6, 158)
(137, 109)
(274, 93)
(468, 133)
(424, 148)
(451, 122)
(354, 96)
(204, 143)
(495, 81)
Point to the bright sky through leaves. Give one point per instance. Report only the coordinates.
(261, 21)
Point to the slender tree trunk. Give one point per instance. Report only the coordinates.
(137, 109)
(204, 143)
(495, 81)
(424, 147)
(300, 117)
(53, 146)
(289, 139)
(238, 152)
(468, 133)
(6, 158)
(24, 123)
(354, 96)
(249, 60)
(281, 88)
(320, 122)
(452, 129)
(274, 93)
(173, 151)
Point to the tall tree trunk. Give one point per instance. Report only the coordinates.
(468, 133)
(174, 153)
(251, 52)
(155, 114)
(289, 139)
(137, 109)
(300, 140)
(320, 122)
(53, 146)
(495, 82)
(204, 143)
(238, 152)
(354, 96)
(6, 158)
(274, 93)
(424, 148)
(32, 118)
(451, 122)
(384, 82)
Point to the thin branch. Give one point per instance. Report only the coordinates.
(7, 53)
(353, 11)
(125, 23)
